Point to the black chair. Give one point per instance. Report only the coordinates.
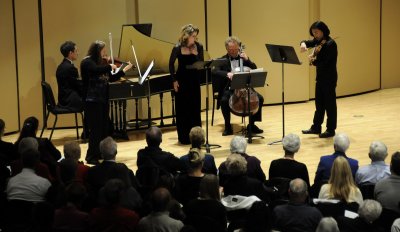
(367, 190)
(215, 89)
(56, 109)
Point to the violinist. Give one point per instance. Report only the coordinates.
(96, 74)
(324, 57)
(224, 74)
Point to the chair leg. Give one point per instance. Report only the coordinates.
(76, 125)
(45, 123)
(212, 115)
(83, 125)
(54, 126)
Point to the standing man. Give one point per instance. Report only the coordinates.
(224, 76)
(324, 57)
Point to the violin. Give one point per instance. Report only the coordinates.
(114, 60)
(316, 50)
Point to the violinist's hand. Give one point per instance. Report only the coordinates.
(303, 47)
(113, 66)
(229, 75)
(176, 86)
(244, 56)
(127, 67)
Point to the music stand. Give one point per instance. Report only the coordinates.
(200, 65)
(249, 80)
(282, 54)
(143, 78)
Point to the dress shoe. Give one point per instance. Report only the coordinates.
(254, 129)
(227, 131)
(327, 134)
(311, 131)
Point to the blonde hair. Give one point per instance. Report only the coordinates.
(196, 158)
(341, 179)
(186, 32)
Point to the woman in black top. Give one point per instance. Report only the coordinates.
(96, 74)
(186, 82)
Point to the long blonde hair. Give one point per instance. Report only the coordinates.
(341, 179)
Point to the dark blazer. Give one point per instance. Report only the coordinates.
(246, 186)
(68, 82)
(163, 159)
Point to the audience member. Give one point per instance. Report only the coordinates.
(113, 217)
(187, 184)
(387, 190)
(238, 145)
(8, 151)
(72, 151)
(154, 155)
(207, 213)
(396, 225)
(287, 167)
(377, 170)
(297, 215)
(158, 219)
(327, 224)
(341, 184)
(341, 143)
(197, 139)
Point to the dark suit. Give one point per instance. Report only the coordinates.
(223, 85)
(69, 86)
(163, 159)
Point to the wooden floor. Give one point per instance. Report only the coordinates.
(365, 118)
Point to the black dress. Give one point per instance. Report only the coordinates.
(187, 99)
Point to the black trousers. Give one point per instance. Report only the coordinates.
(226, 111)
(325, 101)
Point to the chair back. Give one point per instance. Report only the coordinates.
(48, 96)
(367, 190)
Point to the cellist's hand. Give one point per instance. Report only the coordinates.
(229, 75)
(303, 47)
(176, 86)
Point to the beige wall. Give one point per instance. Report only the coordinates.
(8, 87)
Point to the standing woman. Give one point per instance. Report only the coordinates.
(324, 57)
(96, 74)
(186, 81)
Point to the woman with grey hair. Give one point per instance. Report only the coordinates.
(327, 224)
(287, 167)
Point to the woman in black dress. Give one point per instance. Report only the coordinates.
(186, 81)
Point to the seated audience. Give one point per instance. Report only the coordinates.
(387, 190)
(341, 184)
(238, 145)
(187, 184)
(341, 143)
(113, 217)
(197, 139)
(207, 213)
(368, 212)
(297, 215)
(153, 154)
(158, 219)
(287, 167)
(327, 224)
(396, 225)
(72, 151)
(8, 151)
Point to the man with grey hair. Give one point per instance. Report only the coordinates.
(377, 170)
(238, 146)
(341, 143)
(287, 167)
(297, 215)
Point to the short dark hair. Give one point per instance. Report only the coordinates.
(395, 163)
(160, 199)
(153, 136)
(66, 47)
(320, 26)
(2, 126)
(113, 190)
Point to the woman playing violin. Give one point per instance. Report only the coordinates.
(324, 57)
(96, 74)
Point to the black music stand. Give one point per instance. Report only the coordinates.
(142, 79)
(282, 54)
(249, 80)
(205, 65)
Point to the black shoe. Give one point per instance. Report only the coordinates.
(311, 131)
(254, 129)
(227, 131)
(327, 134)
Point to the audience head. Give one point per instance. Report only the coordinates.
(327, 224)
(96, 51)
(197, 137)
(395, 163)
(341, 179)
(341, 142)
(29, 128)
(298, 190)
(76, 193)
(153, 136)
(186, 32)
(28, 143)
(113, 190)
(108, 148)
(196, 159)
(238, 145)
(209, 187)
(30, 158)
(377, 151)
(369, 210)
(72, 150)
(236, 165)
(160, 199)
(2, 127)
(291, 143)
(68, 50)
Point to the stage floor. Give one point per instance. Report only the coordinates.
(364, 118)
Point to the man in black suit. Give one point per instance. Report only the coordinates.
(224, 76)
